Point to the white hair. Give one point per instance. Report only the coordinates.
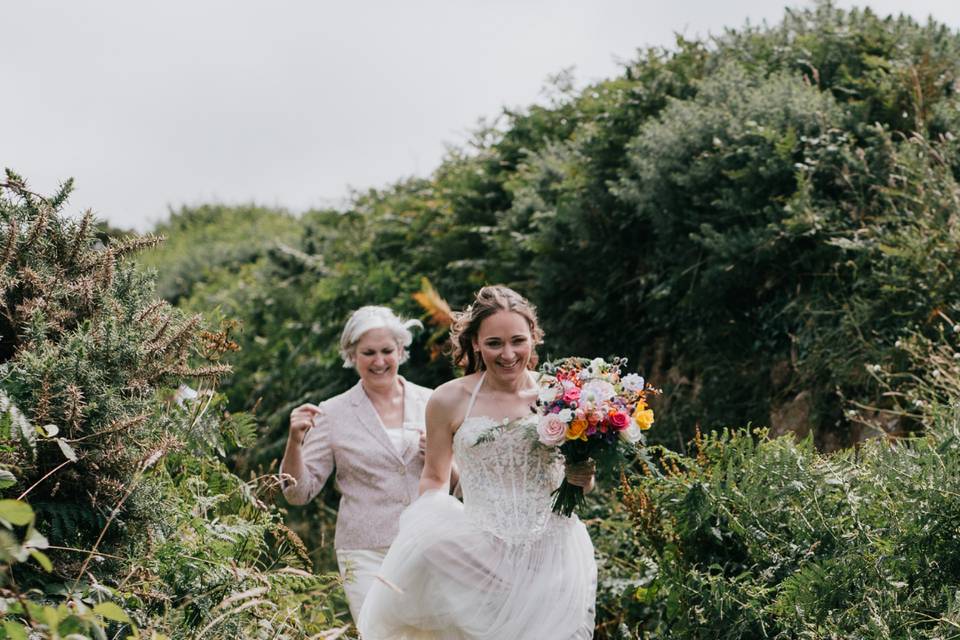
(371, 317)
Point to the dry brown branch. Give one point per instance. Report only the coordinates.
(11, 244)
(134, 244)
(212, 371)
(118, 426)
(150, 310)
(105, 273)
(39, 226)
(21, 190)
(75, 406)
(80, 237)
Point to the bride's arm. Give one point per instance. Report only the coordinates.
(439, 458)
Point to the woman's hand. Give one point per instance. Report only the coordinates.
(423, 443)
(301, 420)
(582, 474)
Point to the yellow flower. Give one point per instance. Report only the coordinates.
(577, 429)
(643, 417)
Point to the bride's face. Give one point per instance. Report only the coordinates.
(505, 344)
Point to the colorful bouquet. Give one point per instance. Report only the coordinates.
(590, 412)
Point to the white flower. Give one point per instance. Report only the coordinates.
(596, 367)
(597, 392)
(548, 394)
(551, 431)
(566, 415)
(632, 433)
(633, 382)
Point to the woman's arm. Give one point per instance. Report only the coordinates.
(454, 476)
(307, 459)
(454, 470)
(439, 458)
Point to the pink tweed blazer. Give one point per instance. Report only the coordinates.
(375, 481)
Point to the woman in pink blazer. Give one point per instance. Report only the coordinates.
(373, 435)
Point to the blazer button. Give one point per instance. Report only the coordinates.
(401, 469)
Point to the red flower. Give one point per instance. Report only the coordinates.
(619, 420)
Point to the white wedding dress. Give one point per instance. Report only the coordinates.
(500, 566)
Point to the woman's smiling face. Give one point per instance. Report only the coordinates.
(377, 357)
(505, 344)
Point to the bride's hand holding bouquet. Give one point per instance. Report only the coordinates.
(591, 413)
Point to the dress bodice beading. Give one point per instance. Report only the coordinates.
(507, 477)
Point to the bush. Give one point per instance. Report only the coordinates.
(126, 517)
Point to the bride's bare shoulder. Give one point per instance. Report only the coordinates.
(453, 394)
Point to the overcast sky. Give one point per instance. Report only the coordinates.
(293, 102)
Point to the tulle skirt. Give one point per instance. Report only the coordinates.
(445, 578)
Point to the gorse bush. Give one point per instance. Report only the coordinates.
(122, 517)
(84, 349)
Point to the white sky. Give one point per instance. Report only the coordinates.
(292, 102)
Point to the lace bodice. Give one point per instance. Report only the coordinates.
(507, 476)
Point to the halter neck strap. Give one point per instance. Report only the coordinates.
(473, 396)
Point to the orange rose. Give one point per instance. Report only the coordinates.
(577, 429)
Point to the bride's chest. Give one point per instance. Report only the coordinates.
(503, 449)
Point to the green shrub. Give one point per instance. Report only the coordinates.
(760, 538)
(126, 518)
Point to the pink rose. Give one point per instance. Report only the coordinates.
(571, 392)
(551, 430)
(619, 420)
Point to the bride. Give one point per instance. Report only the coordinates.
(501, 565)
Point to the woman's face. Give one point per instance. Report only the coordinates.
(377, 357)
(505, 344)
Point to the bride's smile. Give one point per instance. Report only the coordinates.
(505, 345)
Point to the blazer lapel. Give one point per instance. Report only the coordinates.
(368, 418)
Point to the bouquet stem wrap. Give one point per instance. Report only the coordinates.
(569, 497)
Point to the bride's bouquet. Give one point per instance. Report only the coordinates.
(590, 411)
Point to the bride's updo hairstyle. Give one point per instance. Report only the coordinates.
(466, 325)
(372, 317)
